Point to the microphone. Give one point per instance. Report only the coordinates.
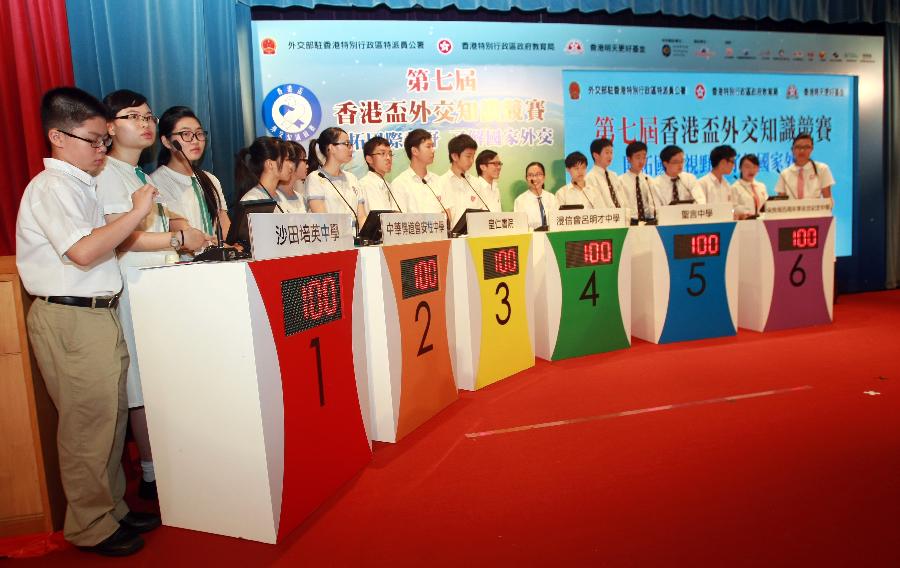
(439, 204)
(388, 187)
(350, 207)
(475, 192)
(206, 190)
(652, 201)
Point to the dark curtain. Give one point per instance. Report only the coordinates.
(34, 47)
(892, 151)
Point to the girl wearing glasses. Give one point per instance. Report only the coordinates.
(805, 179)
(199, 198)
(132, 127)
(536, 203)
(289, 197)
(329, 189)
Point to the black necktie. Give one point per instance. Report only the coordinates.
(640, 198)
(612, 192)
(543, 213)
(674, 189)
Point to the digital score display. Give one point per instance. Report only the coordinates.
(589, 253)
(311, 301)
(798, 238)
(500, 262)
(697, 245)
(419, 276)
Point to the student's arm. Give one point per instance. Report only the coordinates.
(103, 240)
(361, 213)
(780, 185)
(317, 205)
(225, 222)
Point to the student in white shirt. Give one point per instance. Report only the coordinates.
(377, 191)
(163, 232)
(329, 189)
(714, 185)
(536, 203)
(458, 187)
(675, 184)
(290, 200)
(605, 181)
(640, 192)
(577, 192)
(748, 194)
(178, 187)
(488, 167)
(258, 169)
(416, 188)
(805, 179)
(66, 257)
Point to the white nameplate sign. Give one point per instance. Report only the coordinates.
(277, 235)
(403, 228)
(693, 213)
(798, 208)
(581, 219)
(486, 224)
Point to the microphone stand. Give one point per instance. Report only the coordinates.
(440, 204)
(475, 192)
(388, 187)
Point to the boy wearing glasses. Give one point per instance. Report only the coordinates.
(66, 256)
(804, 179)
(488, 166)
(375, 188)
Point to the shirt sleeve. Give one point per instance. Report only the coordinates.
(314, 187)
(825, 177)
(112, 194)
(60, 218)
(223, 205)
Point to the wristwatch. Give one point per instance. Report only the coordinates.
(174, 242)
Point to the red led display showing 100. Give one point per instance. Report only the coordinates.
(589, 253)
(310, 301)
(798, 238)
(500, 262)
(418, 276)
(697, 245)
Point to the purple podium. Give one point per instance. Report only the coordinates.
(786, 272)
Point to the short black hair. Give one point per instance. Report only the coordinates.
(803, 136)
(373, 143)
(123, 98)
(669, 152)
(575, 158)
(599, 144)
(64, 108)
(634, 148)
(413, 139)
(750, 158)
(483, 158)
(720, 153)
(459, 144)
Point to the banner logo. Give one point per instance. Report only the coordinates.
(268, 46)
(700, 91)
(574, 47)
(291, 112)
(444, 46)
(792, 92)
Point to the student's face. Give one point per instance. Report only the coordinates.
(638, 160)
(577, 172)
(802, 150)
(605, 157)
(137, 131)
(424, 152)
(341, 151)
(749, 170)
(286, 172)
(78, 152)
(302, 168)
(381, 159)
(187, 127)
(492, 169)
(675, 166)
(464, 160)
(535, 178)
(725, 167)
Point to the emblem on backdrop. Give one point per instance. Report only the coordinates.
(268, 46)
(700, 91)
(291, 112)
(574, 47)
(444, 46)
(792, 92)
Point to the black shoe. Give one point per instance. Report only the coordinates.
(140, 522)
(123, 542)
(147, 490)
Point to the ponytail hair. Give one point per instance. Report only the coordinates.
(250, 161)
(318, 147)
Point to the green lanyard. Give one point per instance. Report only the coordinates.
(159, 208)
(204, 212)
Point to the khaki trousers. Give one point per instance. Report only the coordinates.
(84, 361)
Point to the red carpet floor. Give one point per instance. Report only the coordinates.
(806, 472)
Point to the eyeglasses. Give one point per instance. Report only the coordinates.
(347, 144)
(381, 154)
(189, 135)
(803, 147)
(139, 118)
(104, 142)
(498, 164)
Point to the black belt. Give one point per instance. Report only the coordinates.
(81, 302)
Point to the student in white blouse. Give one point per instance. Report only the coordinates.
(488, 166)
(640, 192)
(748, 194)
(380, 159)
(675, 184)
(536, 203)
(329, 189)
(458, 187)
(577, 192)
(259, 168)
(714, 185)
(805, 179)
(289, 192)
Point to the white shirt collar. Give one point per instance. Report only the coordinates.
(69, 169)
